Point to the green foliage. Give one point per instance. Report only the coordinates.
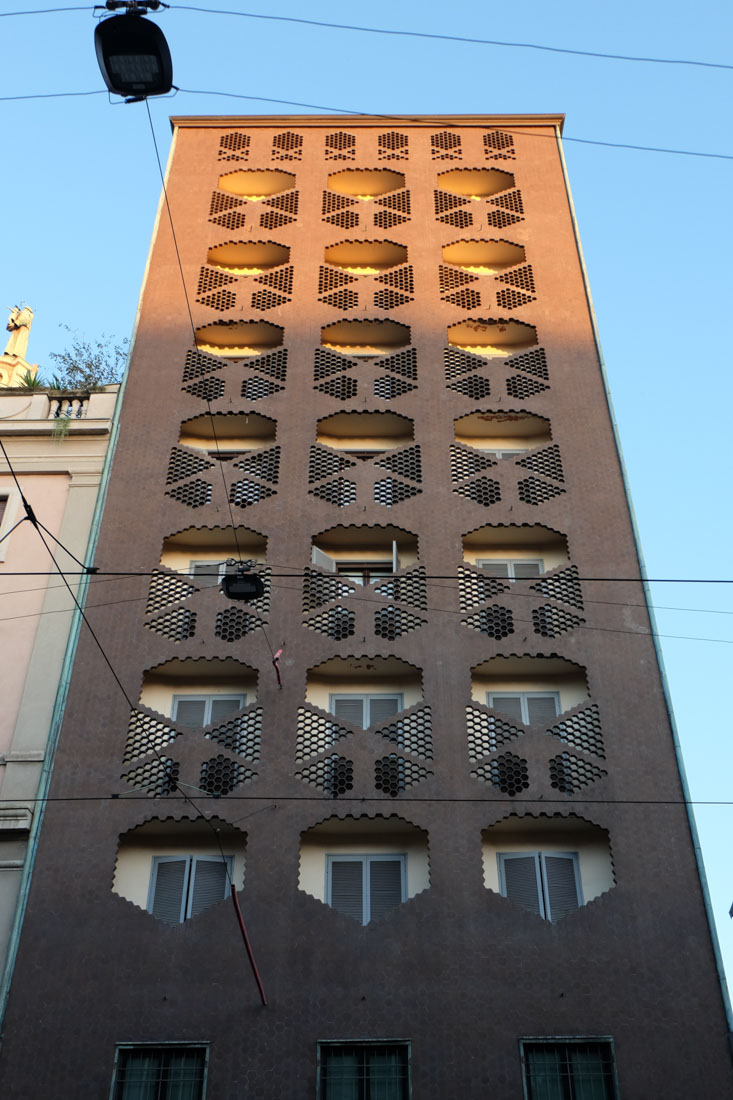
(30, 381)
(88, 364)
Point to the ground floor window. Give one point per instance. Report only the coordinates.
(363, 1071)
(172, 1072)
(571, 1069)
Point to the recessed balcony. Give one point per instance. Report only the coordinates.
(226, 436)
(502, 434)
(365, 338)
(364, 554)
(475, 183)
(365, 257)
(365, 435)
(483, 257)
(201, 552)
(364, 691)
(247, 257)
(492, 338)
(530, 690)
(515, 552)
(365, 184)
(253, 185)
(198, 692)
(238, 338)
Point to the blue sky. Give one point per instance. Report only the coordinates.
(82, 186)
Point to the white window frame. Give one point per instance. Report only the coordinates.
(505, 452)
(325, 561)
(543, 892)
(366, 860)
(208, 699)
(11, 497)
(523, 697)
(189, 879)
(367, 698)
(510, 564)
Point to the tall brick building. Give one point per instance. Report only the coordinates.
(456, 826)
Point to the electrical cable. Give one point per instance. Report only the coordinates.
(540, 800)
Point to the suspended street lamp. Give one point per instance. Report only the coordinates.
(241, 584)
(132, 53)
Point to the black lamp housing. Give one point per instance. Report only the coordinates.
(242, 586)
(133, 56)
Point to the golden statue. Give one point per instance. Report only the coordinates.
(13, 365)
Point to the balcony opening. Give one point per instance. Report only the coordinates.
(365, 184)
(365, 257)
(247, 257)
(483, 257)
(238, 339)
(365, 435)
(364, 867)
(533, 691)
(513, 552)
(253, 186)
(364, 555)
(175, 870)
(364, 691)
(551, 866)
(227, 436)
(502, 434)
(492, 338)
(365, 338)
(202, 552)
(475, 183)
(197, 692)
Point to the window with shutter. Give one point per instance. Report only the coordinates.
(365, 887)
(530, 707)
(545, 883)
(183, 886)
(511, 568)
(207, 573)
(201, 710)
(365, 710)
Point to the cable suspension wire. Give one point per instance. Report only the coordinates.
(540, 800)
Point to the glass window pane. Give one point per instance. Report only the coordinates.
(190, 712)
(509, 705)
(340, 1072)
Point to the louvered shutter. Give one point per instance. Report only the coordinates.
(380, 708)
(190, 712)
(562, 889)
(494, 568)
(350, 708)
(523, 569)
(169, 889)
(3, 506)
(347, 887)
(385, 886)
(541, 708)
(206, 573)
(323, 560)
(520, 880)
(209, 883)
(509, 705)
(223, 706)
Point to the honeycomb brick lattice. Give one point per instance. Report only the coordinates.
(392, 622)
(146, 734)
(341, 299)
(521, 278)
(407, 463)
(211, 279)
(157, 777)
(334, 203)
(334, 776)
(246, 493)
(338, 623)
(508, 773)
(403, 363)
(396, 200)
(509, 298)
(402, 278)
(393, 146)
(546, 462)
(387, 219)
(476, 387)
(532, 362)
(475, 588)
(582, 731)
(568, 773)
(465, 463)
(165, 589)
(501, 219)
(520, 388)
(194, 494)
(221, 201)
(275, 219)
(234, 146)
(457, 363)
(459, 219)
(413, 733)
(221, 300)
(266, 299)
(332, 278)
(274, 364)
(533, 491)
(394, 774)
(445, 202)
(220, 776)
(207, 389)
(281, 279)
(484, 490)
(486, 733)
(340, 492)
(344, 219)
(410, 588)
(343, 388)
(232, 219)
(262, 464)
(323, 588)
(242, 734)
(446, 145)
(198, 365)
(340, 146)
(287, 146)
(551, 622)
(316, 733)
(563, 586)
(389, 492)
(390, 299)
(387, 388)
(233, 623)
(498, 145)
(495, 622)
(452, 278)
(468, 298)
(323, 462)
(509, 200)
(176, 626)
(183, 464)
(257, 389)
